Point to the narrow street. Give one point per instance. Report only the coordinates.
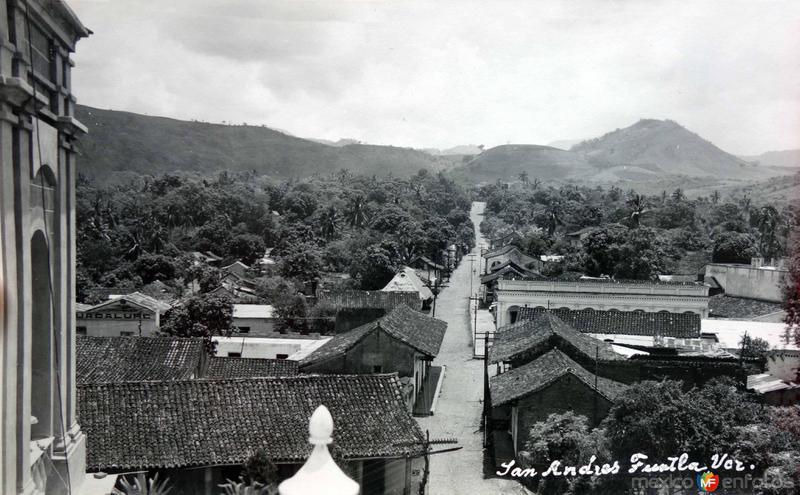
(458, 411)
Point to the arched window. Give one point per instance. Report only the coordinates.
(42, 365)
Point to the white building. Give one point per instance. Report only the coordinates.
(121, 316)
(601, 294)
(254, 320)
(268, 348)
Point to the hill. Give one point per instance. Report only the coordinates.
(665, 147)
(786, 158)
(542, 162)
(121, 142)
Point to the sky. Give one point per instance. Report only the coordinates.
(445, 73)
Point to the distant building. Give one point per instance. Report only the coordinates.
(757, 280)
(504, 271)
(427, 267)
(198, 433)
(223, 368)
(126, 315)
(601, 294)
(41, 442)
(404, 342)
(254, 320)
(354, 308)
(237, 268)
(123, 359)
(508, 253)
(576, 238)
(294, 347)
(407, 280)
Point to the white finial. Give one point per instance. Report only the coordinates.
(320, 427)
(319, 475)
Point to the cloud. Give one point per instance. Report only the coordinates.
(438, 74)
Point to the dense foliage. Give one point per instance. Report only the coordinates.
(629, 235)
(364, 227)
(662, 420)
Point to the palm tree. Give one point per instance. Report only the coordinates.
(715, 197)
(638, 204)
(329, 222)
(746, 203)
(357, 211)
(536, 183)
(678, 195)
(553, 218)
(768, 219)
(523, 177)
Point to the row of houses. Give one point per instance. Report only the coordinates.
(546, 365)
(145, 401)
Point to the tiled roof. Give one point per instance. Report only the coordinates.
(722, 306)
(138, 298)
(150, 425)
(427, 261)
(362, 299)
(233, 367)
(543, 371)
(423, 333)
(408, 281)
(511, 270)
(117, 359)
(517, 339)
(679, 325)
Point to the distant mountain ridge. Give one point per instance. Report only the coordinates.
(647, 149)
(785, 158)
(120, 142)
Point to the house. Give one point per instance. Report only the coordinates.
(289, 346)
(427, 267)
(354, 308)
(779, 385)
(639, 328)
(254, 320)
(520, 343)
(404, 342)
(507, 253)
(773, 390)
(125, 315)
(220, 368)
(757, 280)
(550, 384)
(123, 359)
(576, 238)
(237, 268)
(199, 433)
(408, 281)
(206, 257)
(505, 271)
(600, 294)
(41, 441)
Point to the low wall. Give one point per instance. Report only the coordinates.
(746, 281)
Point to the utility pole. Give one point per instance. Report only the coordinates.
(471, 270)
(427, 452)
(475, 324)
(486, 420)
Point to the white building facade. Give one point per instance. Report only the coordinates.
(601, 295)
